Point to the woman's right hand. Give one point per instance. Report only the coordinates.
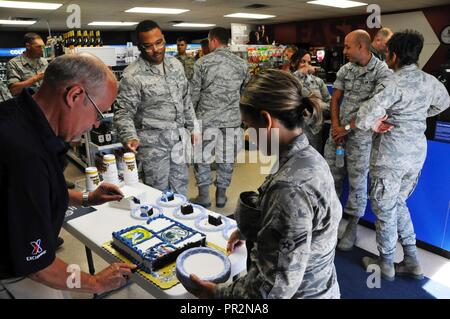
(234, 241)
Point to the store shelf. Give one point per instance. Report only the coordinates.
(104, 147)
(76, 159)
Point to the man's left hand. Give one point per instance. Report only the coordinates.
(205, 289)
(105, 193)
(339, 132)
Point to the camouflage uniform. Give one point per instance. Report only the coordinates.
(216, 86)
(5, 94)
(21, 68)
(154, 108)
(293, 222)
(378, 55)
(408, 98)
(188, 65)
(359, 84)
(316, 86)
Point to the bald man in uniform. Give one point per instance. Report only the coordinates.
(356, 81)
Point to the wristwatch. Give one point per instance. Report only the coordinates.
(85, 201)
(347, 128)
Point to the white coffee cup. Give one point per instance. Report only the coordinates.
(92, 178)
(130, 174)
(110, 175)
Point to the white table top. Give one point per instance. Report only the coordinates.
(95, 229)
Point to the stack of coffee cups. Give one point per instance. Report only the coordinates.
(130, 174)
(110, 175)
(92, 178)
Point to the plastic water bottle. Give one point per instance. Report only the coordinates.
(340, 154)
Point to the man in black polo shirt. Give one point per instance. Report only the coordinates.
(34, 130)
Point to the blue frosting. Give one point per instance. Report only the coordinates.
(152, 252)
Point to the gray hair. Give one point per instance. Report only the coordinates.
(384, 32)
(82, 68)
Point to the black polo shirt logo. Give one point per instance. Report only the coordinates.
(37, 250)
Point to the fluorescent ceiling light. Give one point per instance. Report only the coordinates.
(111, 23)
(338, 3)
(194, 25)
(156, 10)
(18, 22)
(249, 16)
(30, 5)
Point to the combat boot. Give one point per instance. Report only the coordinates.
(221, 198)
(349, 237)
(410, 265)
(203, 197)
(386, 266)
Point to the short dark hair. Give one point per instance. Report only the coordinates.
(220, 34)
(146, 25)
(297, 57)
(204, 42)
(30, 37)
(407, 46)
(182, 39)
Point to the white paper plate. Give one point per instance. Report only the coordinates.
(207, 263)
(227, 231)
(137, 212)
(177, 201)
(201, 223)
(198, 211)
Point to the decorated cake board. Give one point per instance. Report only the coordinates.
(164, 278)
(155, 246)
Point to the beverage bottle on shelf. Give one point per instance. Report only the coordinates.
(98, 39)
(91, 38)
(79, 39)
(340, 155)
(72, 40)
(86, 40)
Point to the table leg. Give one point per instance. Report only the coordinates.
(90, 260)
(91, 267)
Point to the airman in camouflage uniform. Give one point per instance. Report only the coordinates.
(408, 98)
(216, 86)
(357, 83)
(188, 65)
(315, 86)
(4, 92)
(27, 69)
(186, 60)
(293, 222)
(153, 108)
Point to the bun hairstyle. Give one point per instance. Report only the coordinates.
(280, 94)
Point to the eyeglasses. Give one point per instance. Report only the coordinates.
(153, 47)
(100, 115)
